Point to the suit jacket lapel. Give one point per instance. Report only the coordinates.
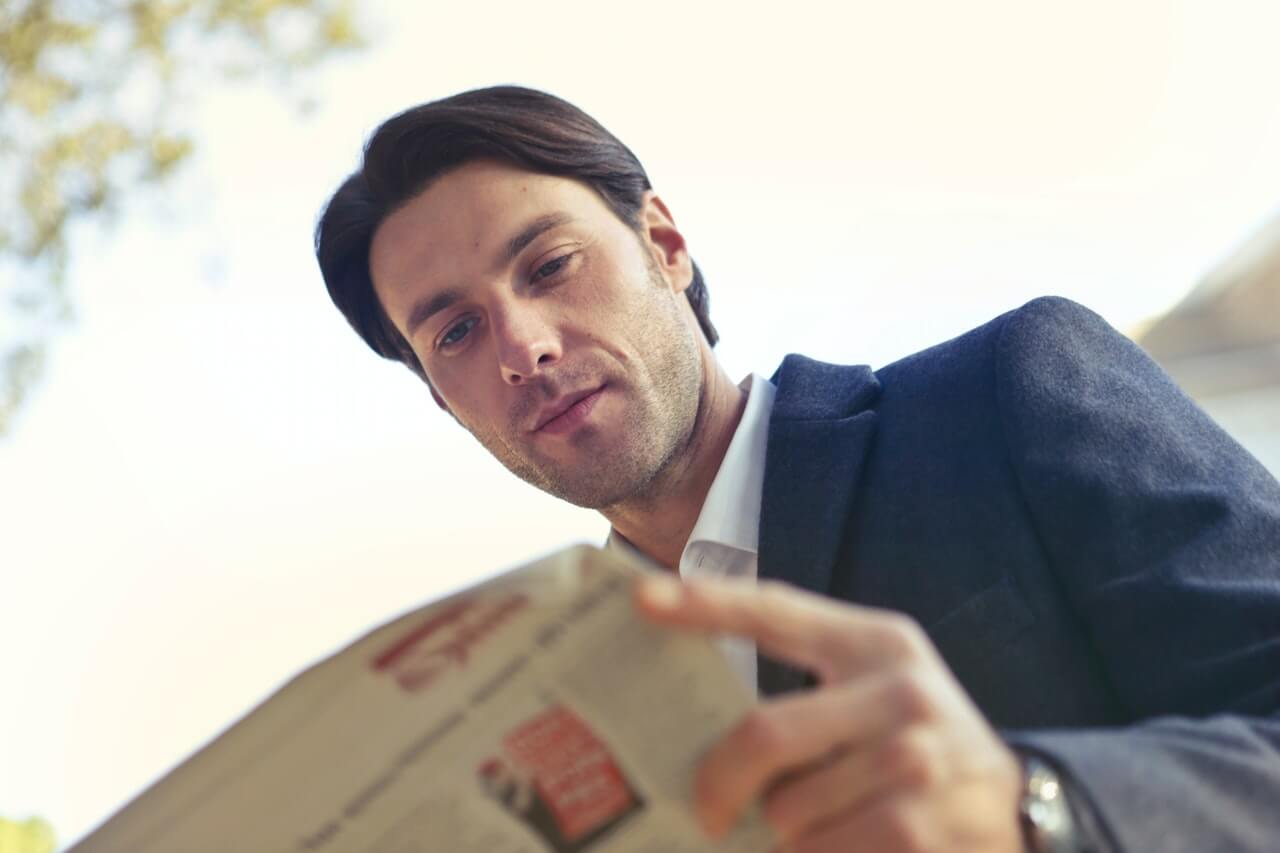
(819, 434)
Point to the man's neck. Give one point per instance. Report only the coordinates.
(660, 523)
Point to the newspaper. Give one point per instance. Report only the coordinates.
(536, 712)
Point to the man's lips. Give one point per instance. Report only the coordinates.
(566, 411)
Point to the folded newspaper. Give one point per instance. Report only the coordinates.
(535, 712)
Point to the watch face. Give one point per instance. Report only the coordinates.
(1045, 812)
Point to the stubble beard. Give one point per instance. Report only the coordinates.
(630, 466)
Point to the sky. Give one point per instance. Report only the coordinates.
(217, 484)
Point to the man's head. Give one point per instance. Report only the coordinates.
(511, 252)
(524, 127)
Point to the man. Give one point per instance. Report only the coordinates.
(1026, 530)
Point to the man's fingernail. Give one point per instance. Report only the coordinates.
(662, 594)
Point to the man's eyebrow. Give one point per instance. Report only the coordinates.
(426, 307)
(531, 232)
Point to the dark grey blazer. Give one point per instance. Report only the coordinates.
(1097, 561)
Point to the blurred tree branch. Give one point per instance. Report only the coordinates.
(89, 91)
(28, 836)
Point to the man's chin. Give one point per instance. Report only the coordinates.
(594, 489)
(586, 495)
(593, 469)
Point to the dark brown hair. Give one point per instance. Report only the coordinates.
(524, 127)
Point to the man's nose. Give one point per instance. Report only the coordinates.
(526, 343)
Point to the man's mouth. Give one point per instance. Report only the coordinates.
(568, 411)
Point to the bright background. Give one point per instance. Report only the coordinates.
(217, 483)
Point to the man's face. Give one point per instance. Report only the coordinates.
(557, 335)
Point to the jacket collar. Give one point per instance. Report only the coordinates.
(819, 434)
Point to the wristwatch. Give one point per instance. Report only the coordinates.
(1047, 823)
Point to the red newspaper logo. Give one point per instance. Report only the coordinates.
(445, 640)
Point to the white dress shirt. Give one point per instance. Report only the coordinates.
(725, 541)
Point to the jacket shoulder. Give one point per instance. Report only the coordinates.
(1051, 331)
(1047, 341)
(1021, 343)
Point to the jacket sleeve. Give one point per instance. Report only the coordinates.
(1164, 537)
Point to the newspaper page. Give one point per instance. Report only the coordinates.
(535, 713)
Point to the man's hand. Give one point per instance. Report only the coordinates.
(888, 754)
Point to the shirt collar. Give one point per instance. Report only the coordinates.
(730, 514)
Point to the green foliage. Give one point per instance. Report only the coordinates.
(28, 836)
(91, 100)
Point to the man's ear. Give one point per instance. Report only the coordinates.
(435, 395)
(665, 242)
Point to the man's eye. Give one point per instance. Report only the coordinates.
(551, 267)
(456, 333)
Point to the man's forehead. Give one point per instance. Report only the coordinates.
(468, 214)
(465, 220)
(481, 195)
